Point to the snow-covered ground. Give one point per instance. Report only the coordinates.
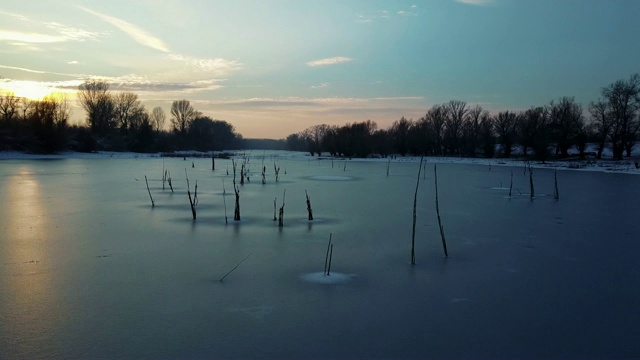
(606, 164)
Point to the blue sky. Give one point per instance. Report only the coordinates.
(272, 68)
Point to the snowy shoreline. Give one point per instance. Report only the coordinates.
(600, 165)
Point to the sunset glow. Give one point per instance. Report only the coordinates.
(31, 90)
(221, 55)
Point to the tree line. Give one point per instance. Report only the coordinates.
(115, 121)
(458, 129)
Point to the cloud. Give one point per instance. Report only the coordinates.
(329, 61)
(137, 34)
(21, 69)
(73, 62)
(217, 66)
(322, 85)
(20, 38)
(62, 32)
(74, 33)
(475, 2)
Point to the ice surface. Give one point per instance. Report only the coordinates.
(330, 177)
(88, 269)
(331, 279)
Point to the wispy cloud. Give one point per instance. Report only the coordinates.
(218, 66)
(329, 61)
(21, 69)
(322, 85)
(19, 38)
(74, 33)
(476, 2)
(134, 32)
(41, 35)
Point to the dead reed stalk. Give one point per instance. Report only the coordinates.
(444, 242)
(413, 228)
(309, 206)
(511, 183)
(236, 212)
(326, 257)
(235, 267)
(281, 211)
(224, 200)
(556, 193)
(153, 204)
(532, 194)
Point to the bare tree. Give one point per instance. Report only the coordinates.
(315, 136)
(623, 98)
(487, 135)
(456, 114)
(128, 109)
(533, 131)
(601, 123)
(62, 111)
(400, 134)
(436, 117)
(566, 121)
(471, 129)
(48, 119)
(505, 124)
(182, 115)
(9, 106)
(96, 101)
(25, 106)
(158, 118)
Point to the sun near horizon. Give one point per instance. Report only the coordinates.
(31, 90)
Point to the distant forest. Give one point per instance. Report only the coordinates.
(457, 129)
(115, 121)
(118, 121)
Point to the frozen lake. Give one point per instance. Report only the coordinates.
(88, 269)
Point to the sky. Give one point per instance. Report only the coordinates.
(273, 68)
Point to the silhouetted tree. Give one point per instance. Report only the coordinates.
(182, 115)
(400, 134)
(96, 101)
(9, 106)
(455, 116)
(505, 125)
(207, 134)
(565, 121)
(623, 100)
(533, 131)
(157, 118)
(435, 118)
(487, 135)
(48, 118)
(600, 123)
(295, 143)
(127, 110)
(471, 130)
